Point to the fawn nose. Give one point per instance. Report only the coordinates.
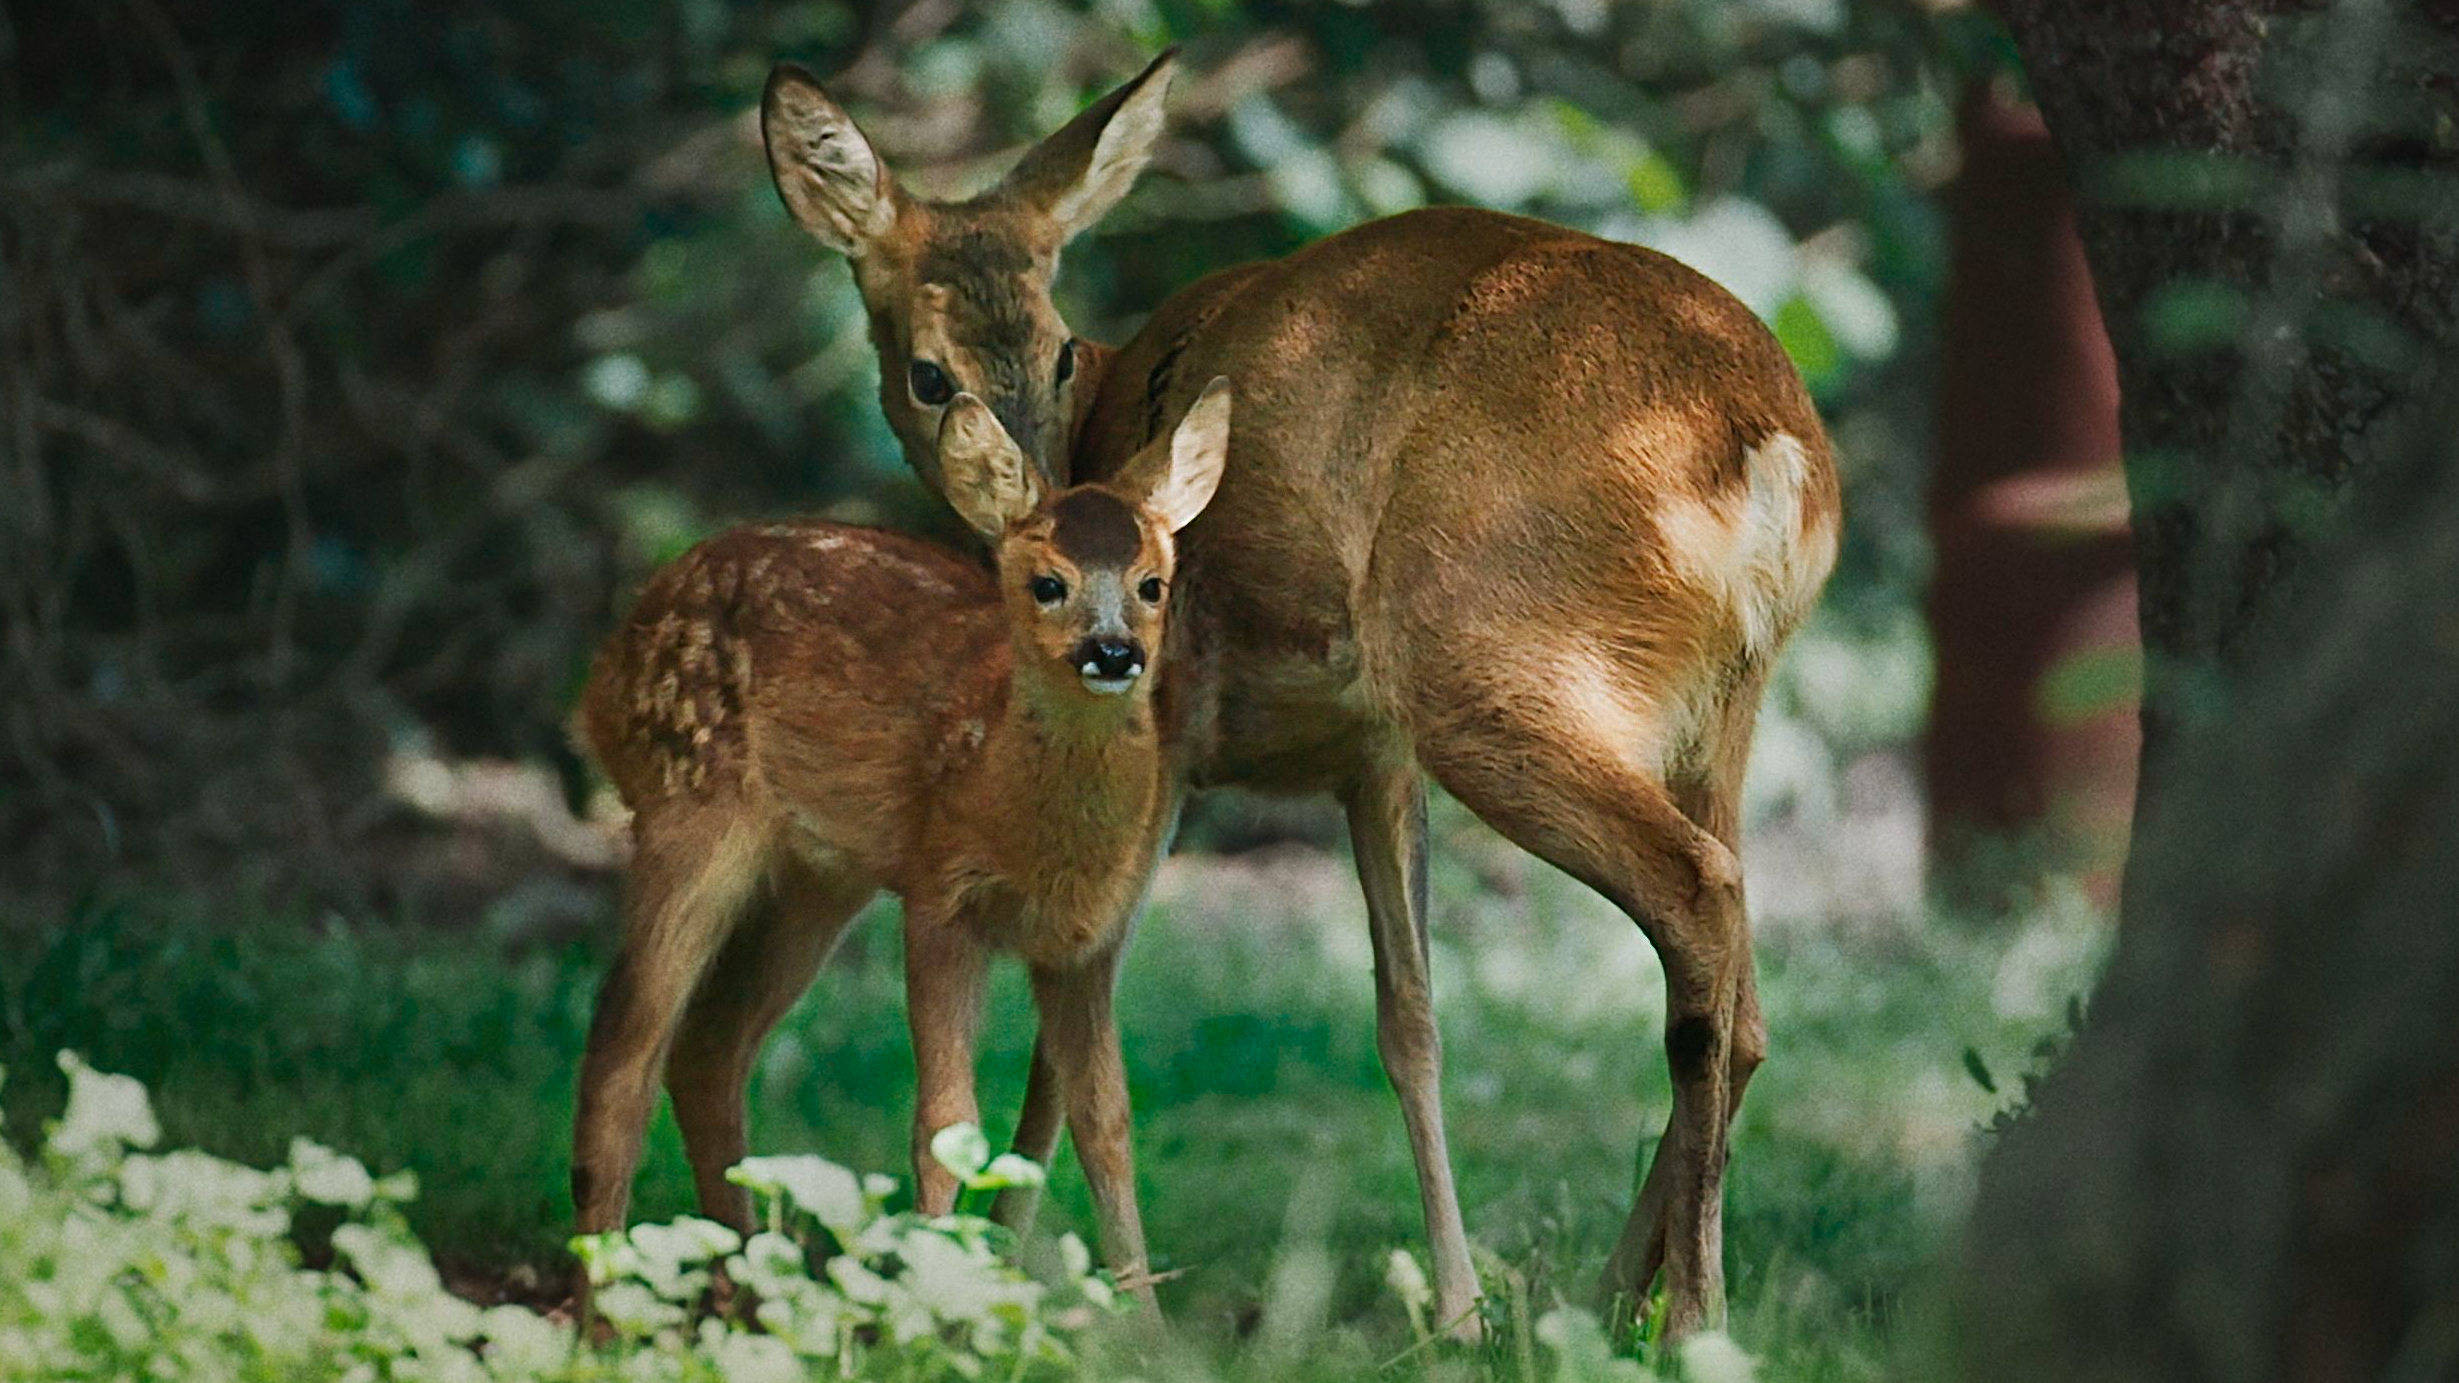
(1109, 665)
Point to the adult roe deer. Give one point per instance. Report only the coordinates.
(1533, 512)
(1523, 508)
(802, 714)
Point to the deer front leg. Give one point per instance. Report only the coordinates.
(1081, 1032)
(1387, 830)
(944, 965)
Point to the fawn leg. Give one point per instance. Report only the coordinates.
(1081, 1029)
(691, 874)
(1037, 1136)
(763, 969)
(944, 966)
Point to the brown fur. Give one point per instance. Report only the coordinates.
(1527, 510)
(1532, 512)
(802, 714)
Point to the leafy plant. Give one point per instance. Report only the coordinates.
(130, 1264)
(2044, 1058)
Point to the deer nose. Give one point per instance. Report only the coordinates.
(1110, 660)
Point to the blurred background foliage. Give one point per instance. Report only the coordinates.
(357, 357)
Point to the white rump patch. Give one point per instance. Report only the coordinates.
(1758, 558)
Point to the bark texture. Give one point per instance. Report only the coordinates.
(2248, 1167)
(2251, 173)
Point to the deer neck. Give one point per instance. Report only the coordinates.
(1073, 759)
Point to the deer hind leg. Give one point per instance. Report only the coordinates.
(692, 872)
(1714, 803)
(1713, 798)
(1568, 791)
(765, 966)
(1080, 1028)
(1387, 829)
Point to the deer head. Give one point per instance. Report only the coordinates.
(959, 292)
(1084, 573)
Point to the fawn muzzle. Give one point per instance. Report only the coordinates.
(1110, 666)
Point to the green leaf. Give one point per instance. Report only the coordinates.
(1806, 339)
(1656, 185)
(1978, 1069)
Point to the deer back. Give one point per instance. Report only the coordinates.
(1489, 457)
(819, 674)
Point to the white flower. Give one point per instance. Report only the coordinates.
(820, 1188)
(105, 1113)
(521, 1343)
(635, 1310)
(328, 1178)
(1580, 1350)
(1407, 1280)
(1715, 1358)
(961, 1149)
(741, 1358)
(1008, 1169)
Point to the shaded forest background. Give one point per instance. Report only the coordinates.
(357, 358)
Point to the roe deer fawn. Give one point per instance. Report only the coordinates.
(1523, 508)
(802, 714)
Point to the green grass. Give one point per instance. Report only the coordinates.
(1265, 1128)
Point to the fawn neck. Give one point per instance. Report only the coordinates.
(1066, 753)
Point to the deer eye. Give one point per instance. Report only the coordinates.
(1067, 361)
(1047, 590)
(1150, 590)
(930, 383)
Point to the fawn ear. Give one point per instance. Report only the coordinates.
(983, 474)
(1076, 175)
(832, 183)
(1178, 480)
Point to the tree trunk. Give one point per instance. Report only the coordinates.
(2248, 1166)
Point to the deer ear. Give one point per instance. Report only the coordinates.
(1076, 175)
(1178, 480)
(984, 476)
(832, 183)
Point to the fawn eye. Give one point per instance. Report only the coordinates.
(1067, 361)
(1048, 590)
(1150, 590)
(930, 383)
